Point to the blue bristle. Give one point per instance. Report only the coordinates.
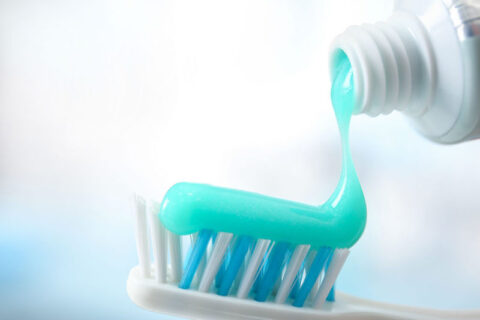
(312, 275)
(331, 294)
(236, 261)
(194, 258)
(263, 269)
(276, 261)
(294, 290)
(289, 253)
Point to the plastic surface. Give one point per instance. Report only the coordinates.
(190, 304)
(392, 64)
(469, 117)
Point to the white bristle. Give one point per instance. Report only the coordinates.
(201, 268)
(143, 249)
(295, 263)
(214, 261)
(309, 260)
(319, 281)
(175, 255)
(316, 286)
(159, 243)
(249, 276)
(336, 264)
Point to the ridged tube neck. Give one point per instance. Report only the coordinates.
(393, 65)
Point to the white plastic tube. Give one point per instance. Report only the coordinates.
(424, 62)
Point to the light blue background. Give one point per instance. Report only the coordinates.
(100, 99)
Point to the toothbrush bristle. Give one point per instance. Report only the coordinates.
(237, 265)
(236, 261)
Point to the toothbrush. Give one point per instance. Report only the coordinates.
(154, 285)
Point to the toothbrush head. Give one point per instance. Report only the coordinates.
(216, 243)
(219, 275)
